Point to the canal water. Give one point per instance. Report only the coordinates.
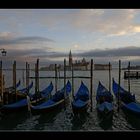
(65, 120)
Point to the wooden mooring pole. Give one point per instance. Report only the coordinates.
(129, 77)
(91, 84)
(64, 83)
(59, 72)
(1, 83)
(137, 75)
(3, 88)
(72, 81)
(109, 78)
(36, 81)
(27, 77)
(14, 79)
(56, 78)
(37, 74)
(119, 85)
(23, 79)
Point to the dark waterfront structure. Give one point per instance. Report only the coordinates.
(132, 74)
(102, 66)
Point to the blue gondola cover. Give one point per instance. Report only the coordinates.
(104, 99)
(81, 98)
(129, 102)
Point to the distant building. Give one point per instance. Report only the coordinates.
(102, 66)
(52, 67)
(70, 59)
(81, 65)
(78, 65)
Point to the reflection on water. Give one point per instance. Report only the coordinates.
(78, 120)
(46, 120)
(28, 124)
(133, 120)
(105, 121)
(11, 120)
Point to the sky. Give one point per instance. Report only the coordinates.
(105, 35)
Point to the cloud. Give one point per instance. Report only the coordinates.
(27, 48)
(24, 46)
(109, 21)
(5, 40)
(131, 53)
(6, 35)
(76, 46)
(125, 51)
(116, 21)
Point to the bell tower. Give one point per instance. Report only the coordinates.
(70, 59)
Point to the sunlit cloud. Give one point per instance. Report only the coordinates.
(108, 21)
(136, 29)
(76, 46)
(6, 35)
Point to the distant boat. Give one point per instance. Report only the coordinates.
(56, 102)
(104, 100)
(128, 101)
(23, 104)
(81, 99)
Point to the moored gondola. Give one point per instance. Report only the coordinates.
(21, 93)
(128, 101)
(23, 104)
(57, 101)
(24, 90)
(10, 89)
(9, 93)
(104, 100)
(80, 102)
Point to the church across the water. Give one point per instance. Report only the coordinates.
(78, 64)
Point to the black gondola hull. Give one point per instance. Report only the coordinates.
(58, 106)
(129, 111)
(80, 109)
